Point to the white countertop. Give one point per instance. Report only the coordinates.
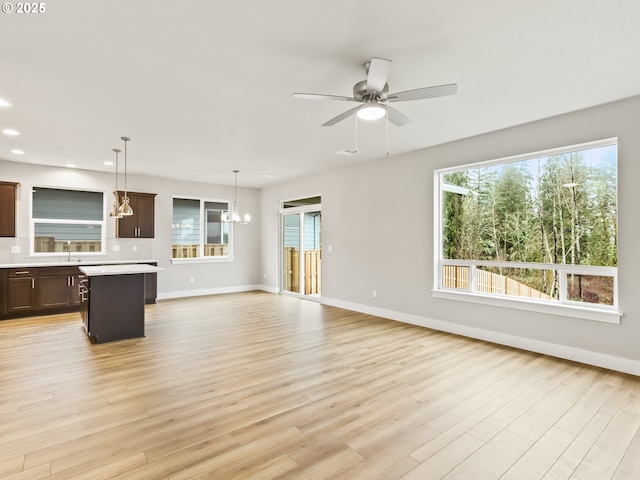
(118, 269)
(74, 263)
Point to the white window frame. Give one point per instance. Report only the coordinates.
(102, 223)
(564, 307)
(202, 235)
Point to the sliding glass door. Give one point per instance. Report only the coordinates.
(301, 270)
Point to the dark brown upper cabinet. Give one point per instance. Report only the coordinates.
(8, 208)
(141, 223)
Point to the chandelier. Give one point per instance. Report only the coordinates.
(234, 216)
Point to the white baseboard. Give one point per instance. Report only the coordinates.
(208, 291)
(611, 362)
(266, 288)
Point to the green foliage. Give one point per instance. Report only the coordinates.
(558, 209)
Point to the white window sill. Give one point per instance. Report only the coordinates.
(178, 261)
(575, 311)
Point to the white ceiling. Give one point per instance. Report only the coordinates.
(203, 87)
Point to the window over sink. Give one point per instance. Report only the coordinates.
(67, 222)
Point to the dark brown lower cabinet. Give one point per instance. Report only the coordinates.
(46, 290)
(22, 294)
(58, 287)
(114, 307)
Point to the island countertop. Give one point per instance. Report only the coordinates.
(75, 262)
(93, 271)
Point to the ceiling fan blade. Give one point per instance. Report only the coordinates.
(379, 70)
(341, 117)
(426, 92)
(320, 96)
(396, 117)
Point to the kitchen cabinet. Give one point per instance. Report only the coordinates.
(8, 209)
(46, 290)
(58, 287)
(141, 223)
(22, 294)
(150, 287)
(113, 301)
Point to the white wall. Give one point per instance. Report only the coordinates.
(368, 208)
(241, 274)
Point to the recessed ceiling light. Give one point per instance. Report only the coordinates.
(269, 175)
(4, 103)
(10, 131)
(69, 165)
(107, 163)
(17, 151)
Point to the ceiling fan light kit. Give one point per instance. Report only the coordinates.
(373, 94)
(371, 111)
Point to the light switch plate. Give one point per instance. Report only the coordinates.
(15, 248)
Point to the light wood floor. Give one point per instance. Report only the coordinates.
(262, 386)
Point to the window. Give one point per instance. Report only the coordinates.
(67, 221)
(535, 229)
(198, 229)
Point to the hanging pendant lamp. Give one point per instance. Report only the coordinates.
(125, 209)
(234, 216)
(115, 213)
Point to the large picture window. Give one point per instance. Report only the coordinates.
(539, 228)
(67, 221)
(198, 229)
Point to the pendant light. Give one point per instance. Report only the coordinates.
(234, 216)
(125, 209)
(115, 213)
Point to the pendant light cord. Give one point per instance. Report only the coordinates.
(126, 139)
(387, 129)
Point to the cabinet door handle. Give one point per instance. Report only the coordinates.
(73, 281)
(33, 283)
(26, 272)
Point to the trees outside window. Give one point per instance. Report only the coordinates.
(540, 226)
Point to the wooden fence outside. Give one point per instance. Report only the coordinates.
(49, 244)
(312, 271)
(193, 250)
(457, 276)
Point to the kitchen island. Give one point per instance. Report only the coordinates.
(112, 301)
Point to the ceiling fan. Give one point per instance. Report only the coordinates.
(373, 95)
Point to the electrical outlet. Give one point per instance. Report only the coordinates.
(191, 280)
(15, 248)
(135, 248)
(374, 294)
(116, 248)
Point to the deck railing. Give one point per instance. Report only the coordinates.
(457, 276)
